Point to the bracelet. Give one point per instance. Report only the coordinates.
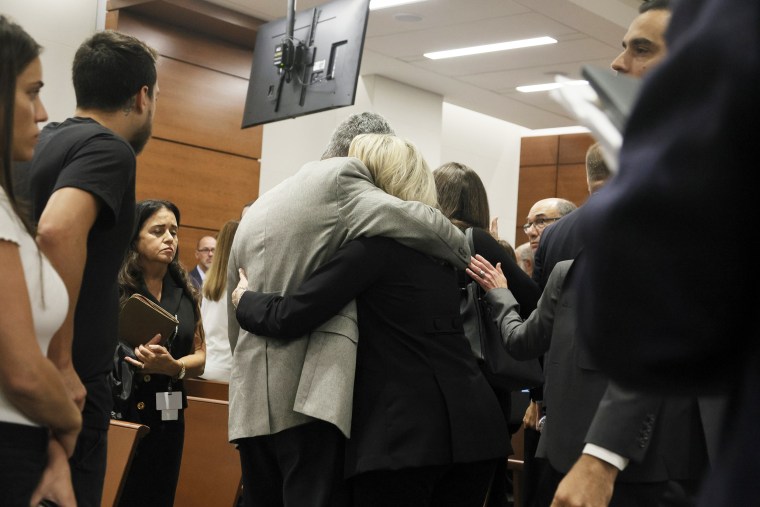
(182, 370)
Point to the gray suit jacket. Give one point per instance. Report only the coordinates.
(289, 231)
(661, 436)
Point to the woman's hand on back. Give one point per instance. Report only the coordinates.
(487, 276)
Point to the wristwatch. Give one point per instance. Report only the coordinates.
(181, 373)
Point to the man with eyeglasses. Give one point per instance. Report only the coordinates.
(204, 254)
(543, 213)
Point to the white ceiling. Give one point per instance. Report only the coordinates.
(588, 31)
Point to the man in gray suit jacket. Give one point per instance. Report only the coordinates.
(652, 448)
(291, 400)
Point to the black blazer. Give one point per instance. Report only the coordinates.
(662, 438)
(195, 277)
(419, 397)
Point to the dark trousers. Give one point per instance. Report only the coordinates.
(456, 485)
(154, 473)
(534, 469)
(23, 457)
(630, 494)
(298, 467)
(88, 466)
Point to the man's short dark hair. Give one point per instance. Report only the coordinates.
(596, 167)
(362, 123)
(110, 68)
(654, 5)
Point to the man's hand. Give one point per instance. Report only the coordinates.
(588, 484)
(530, 419)
(74, 386)
(55, 484)
(242, 286)
(494, 229)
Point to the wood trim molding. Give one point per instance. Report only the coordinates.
(198, 16)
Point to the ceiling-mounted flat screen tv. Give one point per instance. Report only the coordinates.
(315, 70)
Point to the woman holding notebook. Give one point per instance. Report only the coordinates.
(151, 268)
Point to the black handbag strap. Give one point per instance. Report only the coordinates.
(470, 240)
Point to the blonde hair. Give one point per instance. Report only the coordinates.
(215, 283)
(396, 166)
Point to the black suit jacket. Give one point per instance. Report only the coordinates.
(658, 436)
(195, 277)
(665, 305)
(419, 397)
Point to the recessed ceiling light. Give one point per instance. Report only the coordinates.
(548, 86)
(490, 48)
(384, 4)
(405, 17)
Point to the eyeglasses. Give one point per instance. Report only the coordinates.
(206, 250)
(540, 223)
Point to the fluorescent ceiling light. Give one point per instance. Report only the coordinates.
(490, 48)
(384, 4)
(548, 86)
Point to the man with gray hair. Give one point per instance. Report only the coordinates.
(291, 401)
(524, 256)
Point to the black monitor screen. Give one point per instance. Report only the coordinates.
(315, 71)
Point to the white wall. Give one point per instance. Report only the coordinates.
(492, 148)
(60, 27)
(413, 113)
(441, 131)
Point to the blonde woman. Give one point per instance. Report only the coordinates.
(426, 427)
(214, 308)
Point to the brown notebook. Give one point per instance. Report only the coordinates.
(141, 319)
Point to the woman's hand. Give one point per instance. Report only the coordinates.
(154, 358)
(55, 484)
(487, 276)
(242, 286)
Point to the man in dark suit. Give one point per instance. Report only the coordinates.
(677, 321)
(644, 47)
(648, 448)
(560, 241)
(204, 254)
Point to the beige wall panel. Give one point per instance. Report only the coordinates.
(204, 108)
(539, 150)
(208, 187)
(572, 148)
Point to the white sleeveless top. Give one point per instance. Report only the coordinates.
(47, 293)
(218, 352)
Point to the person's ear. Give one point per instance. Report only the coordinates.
(142, 100)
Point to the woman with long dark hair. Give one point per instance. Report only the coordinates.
(39, 422)
(462, 198)
(151, 268)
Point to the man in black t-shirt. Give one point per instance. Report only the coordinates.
(82, 190)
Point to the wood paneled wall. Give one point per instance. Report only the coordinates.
(551, 166)
(199, 157)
